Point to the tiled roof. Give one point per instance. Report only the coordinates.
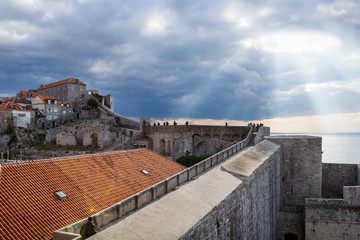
(11, 106)
(26, 93)
(29, 210)
(64, 102)
(43, 97)
(7, 99)
(69, 80)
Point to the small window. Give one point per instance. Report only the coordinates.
(72, 87)
(145, 172)
(60, 195)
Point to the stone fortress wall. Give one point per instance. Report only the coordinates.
(176, 141)
(335, 176)
(274, 190)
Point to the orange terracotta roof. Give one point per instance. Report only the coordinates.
(26, 93)
(64, 102)
(69, 80)
(29, 210)
(7, 99)
(11, 106)
(43, 97)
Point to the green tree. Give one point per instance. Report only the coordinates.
(92, 102)
(190, 160)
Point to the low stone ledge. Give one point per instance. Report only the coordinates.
(192, 172)
(220, 157)
(207, 163)
(106, 216)
(200, 167)
(159, 189)
(183, 176)
(144, 197)
(60, 235)
(127, 205)
(214, 160)
(172, 182)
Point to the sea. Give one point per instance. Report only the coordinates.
(337, 147)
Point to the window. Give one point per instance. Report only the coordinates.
(49, 109)
(81, 88)
(72, 87)
(22, 115)
(60, 195)
(55, 110)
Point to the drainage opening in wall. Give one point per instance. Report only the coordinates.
(290, 236)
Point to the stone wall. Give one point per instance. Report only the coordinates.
(335, 176)
(93, 132)
(301, 177)
(177, 141)
(250, 211)
(4, 141)
(208, 146)
(334, 218)
(65, 139)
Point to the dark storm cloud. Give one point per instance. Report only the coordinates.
(219, 59)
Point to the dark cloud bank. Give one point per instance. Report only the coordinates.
(221, 59)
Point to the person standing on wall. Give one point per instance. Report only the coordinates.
(88, 229)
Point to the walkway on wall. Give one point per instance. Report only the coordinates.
(120, 120)
(211, 164)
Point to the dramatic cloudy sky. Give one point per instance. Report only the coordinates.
(237, 60)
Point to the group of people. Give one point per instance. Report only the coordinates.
(166, 123)
(255, 126)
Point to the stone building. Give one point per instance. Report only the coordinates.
(53, 109)
(66, 90)
(14, 115)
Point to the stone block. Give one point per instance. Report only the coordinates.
(192, 171)
(200, 167)
(207, 163)
(159, 189)
(213, 160)
(65, 139)
(127, 205)
(183, 176)
(172, 182)
(144, 197)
